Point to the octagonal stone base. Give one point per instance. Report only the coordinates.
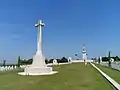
(37, 71)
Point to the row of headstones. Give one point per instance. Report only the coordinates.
(111, 59)
(22, 66)
(7, 68)
(55, 62)
(114, 64)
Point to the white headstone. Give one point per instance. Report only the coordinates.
(6, 68)
(12, 67)
(69, 60)
(111, 59)
(20, 66)
(100, 59)
(15, 67)
(55, 62)
(0, 68)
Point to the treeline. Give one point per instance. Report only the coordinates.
(116, 58)
(29, 61)
(107, 58)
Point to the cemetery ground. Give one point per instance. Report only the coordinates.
(113, 73)
(69, 77)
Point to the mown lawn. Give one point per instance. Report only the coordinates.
(115, 74)
(70, 77)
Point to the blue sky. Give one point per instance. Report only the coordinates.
(69, 25)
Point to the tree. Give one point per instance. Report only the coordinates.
(19, 61)
(46, 61)
(29, 61)
(99, 60)
(105, 59)
(4, 63)
(50, 61)
(64, 59)
(116, 58)
(58, 60)
(109, 57)
(75, 54)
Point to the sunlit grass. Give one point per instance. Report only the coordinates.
(70, 77)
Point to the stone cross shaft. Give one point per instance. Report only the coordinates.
(39, 25)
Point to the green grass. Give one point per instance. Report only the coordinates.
(70, 77)
(115, 74)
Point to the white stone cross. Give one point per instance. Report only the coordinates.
(38, 66)
(39, 59)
